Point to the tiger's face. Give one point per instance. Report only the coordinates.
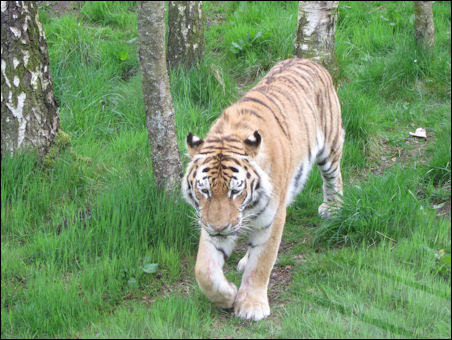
(222, 184)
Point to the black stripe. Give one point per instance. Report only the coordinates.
(227, 158)
(251, 112)
(267, 95)
(230, 139)
(329, 172)
(214, 147)
(323, 73)
(298, 176)
(252, 204)
(267, 226)
(329, 177)
(272, 98)
(263, 209)
(322, 162)
(194, 201)
(221, 250)
(255, 100)
(307, 69)
(331, 126)
(301, 74)
(295, 86)
(297, 83)
(321, 151)
(222, 139)
(258, 200)
(213, 140)
(214, 151)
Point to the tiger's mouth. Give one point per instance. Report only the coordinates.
(221, 234)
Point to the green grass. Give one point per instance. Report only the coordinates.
(80, 234)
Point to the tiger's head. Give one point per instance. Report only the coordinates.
(223, 181)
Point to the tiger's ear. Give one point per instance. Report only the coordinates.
(252, 143)
(193, 144)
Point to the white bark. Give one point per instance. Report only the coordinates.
(185, 33)
(29, 111)
(316, 32)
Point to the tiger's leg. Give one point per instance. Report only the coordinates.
(212, 254)
(330, 168)
(252, 300)
(242, 263)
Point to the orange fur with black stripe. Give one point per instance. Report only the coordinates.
(253, 162)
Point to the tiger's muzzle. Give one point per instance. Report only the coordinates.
(221, 230)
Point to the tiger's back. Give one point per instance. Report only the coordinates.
(296, 110)
(254, 160)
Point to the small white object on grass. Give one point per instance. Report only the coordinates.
(420, 133)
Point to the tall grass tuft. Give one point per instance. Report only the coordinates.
(381, 209)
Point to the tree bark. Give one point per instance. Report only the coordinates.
(29, 114)
(423, 24)
(186, 33)
(316, 31)
(157, 96)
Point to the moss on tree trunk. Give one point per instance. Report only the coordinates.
(316, 33)
(423, 23)
(29, 109)
(160, 119)
(186, 33)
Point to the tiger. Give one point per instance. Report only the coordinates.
(251, 165)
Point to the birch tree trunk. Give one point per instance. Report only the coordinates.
(185, 33)
(423, 23)
(157, 96)
(29, 115)
(316, 31)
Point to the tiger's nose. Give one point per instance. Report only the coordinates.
(219, 228)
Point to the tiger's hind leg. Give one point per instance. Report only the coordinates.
(329, 160)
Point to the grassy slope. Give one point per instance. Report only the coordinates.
(77, 235)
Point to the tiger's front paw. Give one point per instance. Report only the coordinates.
(225, 296)
(216, 287)
(327, 210)
(251, 307)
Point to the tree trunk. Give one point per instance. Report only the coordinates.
(29, 109)
(423, 23)
(316, 32)
(186, 33)
(157, 96)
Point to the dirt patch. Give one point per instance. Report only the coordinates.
(386, 156)
(280, 279)
(215, 19)
(58, 8)
(444, 209)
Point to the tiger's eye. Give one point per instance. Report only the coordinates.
(205, 191)
(234, 191)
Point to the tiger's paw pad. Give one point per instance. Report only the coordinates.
(251, 309)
